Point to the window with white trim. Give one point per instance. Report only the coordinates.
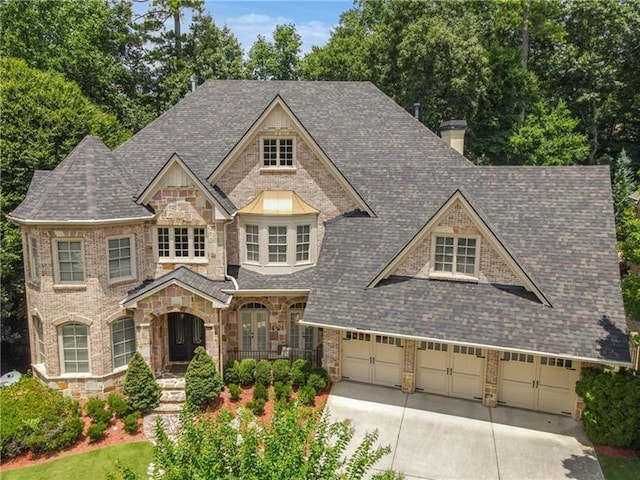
(181, 243)
(253, 243)
(34, 260)
(38, 339)
(74, 347)
(277, 152)
(455, 255)
(303, 239)
(123, 341)
(69, 258)
(120, 254)
(278, 244)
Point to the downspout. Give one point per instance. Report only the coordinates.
(235, 287)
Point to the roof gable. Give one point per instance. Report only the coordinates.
(458, 211)
(175, 173)
(279, 117)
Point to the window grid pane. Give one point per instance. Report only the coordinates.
(35, 261)
(75, 349)
(277, 244)
(119, 257)
(181, 242)
(198, 242)
(163, 242)
(253, 245)
(466, 255)
(444, 254)
(270, 152)
(70, 261)
(286, 152)
(123, 341)
(302, 243)
(38, 330)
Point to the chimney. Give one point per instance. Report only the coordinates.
(416, 111)
(194, 82)
(452, 132)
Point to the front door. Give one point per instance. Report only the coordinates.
(186, 333)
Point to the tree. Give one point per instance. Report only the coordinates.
(630, 250)
(277, 60)
(202, 382)
(548, 137)
(140, 386)
(44, 117)
(624, 184)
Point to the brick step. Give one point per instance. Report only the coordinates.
(173, 396)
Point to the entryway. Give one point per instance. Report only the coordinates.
(186, 333)
(372, 358)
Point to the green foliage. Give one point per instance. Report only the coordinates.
(260, 391)
(611, 415)
(95, 432)
(202, 381)
(277, 60)
(297, 444)
(95, 408)
(629, 229)
(232, 372)
(624, 184)
(130, 423)
(299, 372)
(307, 395)
(281, 369)
(246, 371)
(319, 379)
(140, 386)
(282, 391)
(257, 406)
(37, 418)
(262, 373)
(235, 392)
(118, 405)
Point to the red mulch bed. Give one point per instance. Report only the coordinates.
(615, 452)
(116, 435)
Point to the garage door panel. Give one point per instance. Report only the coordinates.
(466, 386)
(433, 381)
(556, 400)
(517, 394)
(372, 358)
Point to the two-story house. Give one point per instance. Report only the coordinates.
(320, 220)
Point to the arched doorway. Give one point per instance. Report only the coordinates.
(186, 333)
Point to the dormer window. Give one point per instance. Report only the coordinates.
(455, 256)
(181, 244)
(278, 152)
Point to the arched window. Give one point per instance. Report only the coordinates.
(253, 326)
(123, 341)
(300, 337)
(74, 347)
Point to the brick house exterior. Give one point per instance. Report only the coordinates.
(320, 221)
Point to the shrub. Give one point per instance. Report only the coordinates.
(282, 391)
(299, 372)
(37, 418)
(307, 395)
(130, 423)
(95, 409)
(260, 392)
(257, 406)
(263, 372)
(140, 386)
(611, 415)
(318, 379)
(202, 382)
(96, 431)
(281, 369)
(118, 405)
(234, 392)
(246, 371)
(232, 372)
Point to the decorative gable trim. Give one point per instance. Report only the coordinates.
(169, 169)
(132, 302)
(277, 107)
(487, 234)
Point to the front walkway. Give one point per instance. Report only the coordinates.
(435, 437)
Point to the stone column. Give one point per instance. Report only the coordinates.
(490, 397)
(143, 334)
(212, 344)
(331, 353)
(409, 366)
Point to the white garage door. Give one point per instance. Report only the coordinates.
(372, 358)
(538, 383)
(452, 370)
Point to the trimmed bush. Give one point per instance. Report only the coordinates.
(307, 395)
(257, 406)
(96, 431)
(140, 386)
(96, 410)
(280, 370)
(232, 372)
(299, 372)
(263, 372)
(611, 415)
(234, 392)
(202, 381)
(246, 371)
(37, 418)
(130, 423)
(282, 391)
(260, 392)
(318, 379)
(118, 405)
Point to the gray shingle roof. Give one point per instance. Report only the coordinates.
(88, 185)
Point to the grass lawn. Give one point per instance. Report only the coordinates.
(93, 465)
(620, 468)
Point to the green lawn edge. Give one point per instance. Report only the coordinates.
(615, 468)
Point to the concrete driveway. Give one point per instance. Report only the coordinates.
(435, 437)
